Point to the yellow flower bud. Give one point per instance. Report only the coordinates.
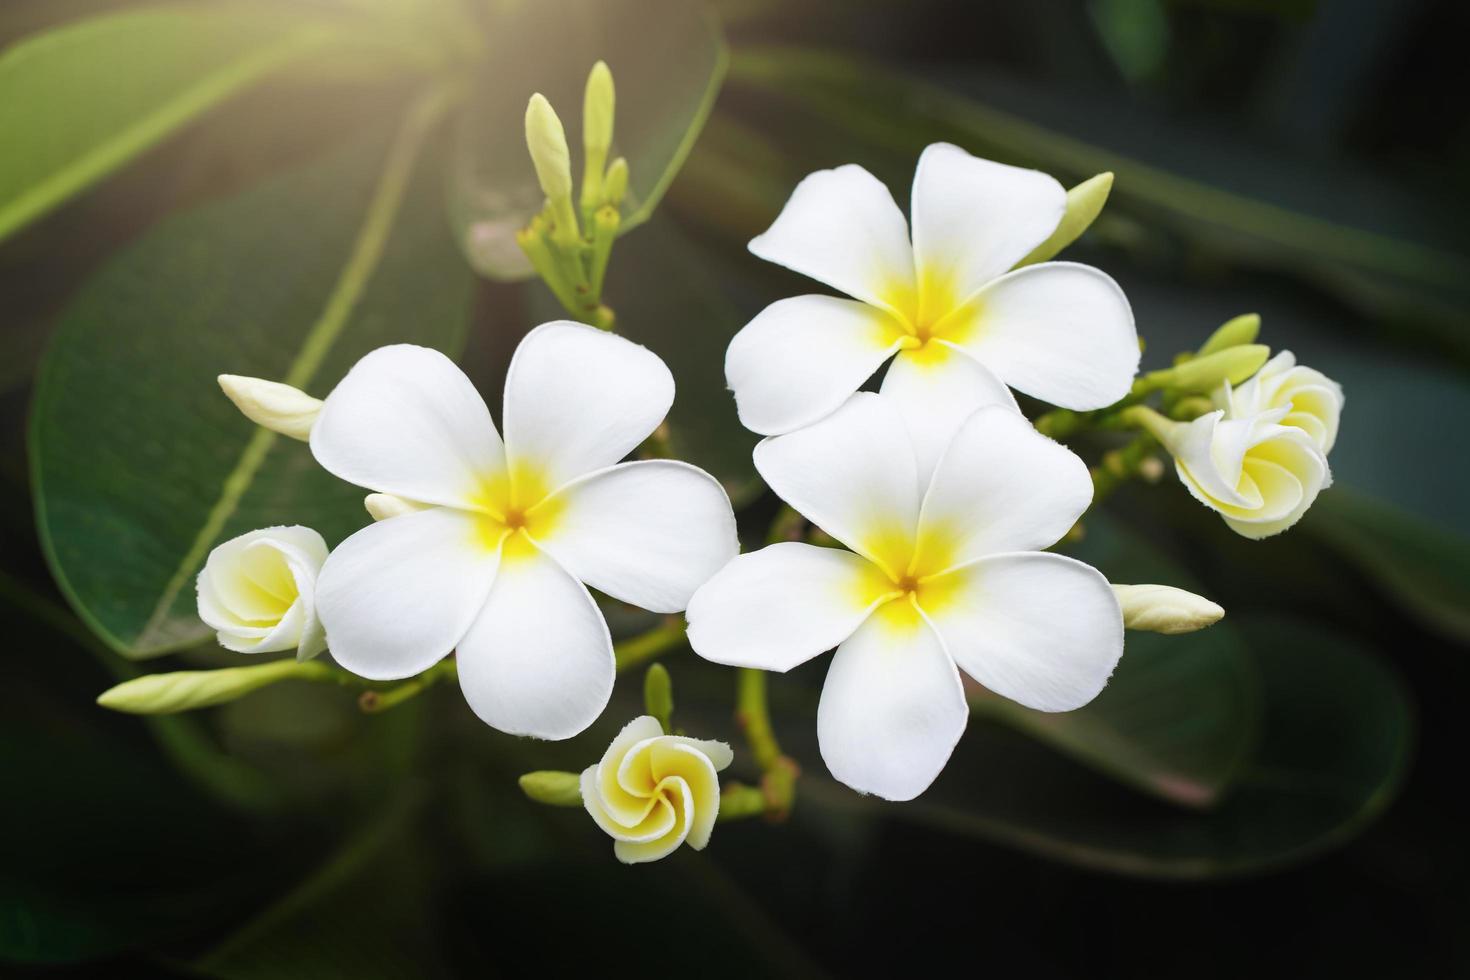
(1164, 609)
(552, 788)
(547, 141)
(381, 506)
(161, 694)
(275, 406)
(1084, 203)
(1232, 333)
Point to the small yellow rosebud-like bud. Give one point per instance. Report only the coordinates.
(649, 815)
(381, 506)
(1313, 401)
(1084, 203)
(258, 591)
(1163, 609)
(161, 694)
(547, 141)
(552, 788)
(280, 408)
(1243, 329)
(1230, 365)
(615, 185)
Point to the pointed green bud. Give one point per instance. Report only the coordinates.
(1084, 203)
(615, 184)
(1233, 333)
(1164, 609)
(597, 132)
(658, 694)
(547, 141)
(552, 788)
(184, 690)
(272, 405)
(1203, 374)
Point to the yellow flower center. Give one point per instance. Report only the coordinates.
(515, 509)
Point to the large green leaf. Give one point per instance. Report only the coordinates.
(668, 60)
(1336, 735)
(1179, 717)
(80, 101)
(139, 463)
(1425, 568)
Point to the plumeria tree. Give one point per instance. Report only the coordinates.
(621, 549)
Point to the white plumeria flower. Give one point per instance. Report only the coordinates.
(652, 792)
(944, 576)
(962, 324)
(493, 562)
(1314, 401)
(1258, 473)
(257, 591)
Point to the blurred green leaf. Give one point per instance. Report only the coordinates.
(1135, 34)
(81, 100)
(1179, 717)
(139, 463)
(1424, 568)
(667, 58)
(1336, 734)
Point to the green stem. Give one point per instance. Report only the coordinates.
(1118, 466)
(779, 771)
(645, 646)
(739, 802)
(373, 701)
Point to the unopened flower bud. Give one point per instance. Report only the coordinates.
(1164, 609)
(1232, 333)
(184, 690)
(597, 132)
(278, 407)
(552, 788)
(615, 184)
(1084, 203)
(1201, 374)
(381, 506)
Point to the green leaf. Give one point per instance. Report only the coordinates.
(1337, 729)
(140, 465)
(80, 101)
(1179, 717)
(1424, 568)
(667, 58)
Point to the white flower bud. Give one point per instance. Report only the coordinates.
(1165, 609)
(649, 816)
(547, 142)
(280, 408)
(185, 690)
(1259, 474)
(257, 591)
(381, 506)
(1313, 401)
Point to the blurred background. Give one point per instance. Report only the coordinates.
(180, 190)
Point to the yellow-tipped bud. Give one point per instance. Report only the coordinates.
(1233, 333)
(184, 690)
(1084, 203)
(615, 184)
(1164, 609)
(280, 408)
(597, 131)
(547, 141)
(552, 788)
(381, 506)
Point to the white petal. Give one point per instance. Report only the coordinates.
(538, 660)
(800, 358)
(842, 228)
(974, 219)
(892, 706)
(936, 389)
(854, 475)
(1058, 331)
(398, 595)
(648, 533)
(781, 606)
(578, 399)
(1043, 630)
(406, 421)
(1001, 486)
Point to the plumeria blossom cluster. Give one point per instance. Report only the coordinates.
(924, 512)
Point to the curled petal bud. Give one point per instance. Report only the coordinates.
(1313, 401)
(258, 591)
(1243, 329)
(278, 407)
(1164, 609)
(652, 792)
(1084, 203)
(161, 694)
(552, 788)
(381, 506)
